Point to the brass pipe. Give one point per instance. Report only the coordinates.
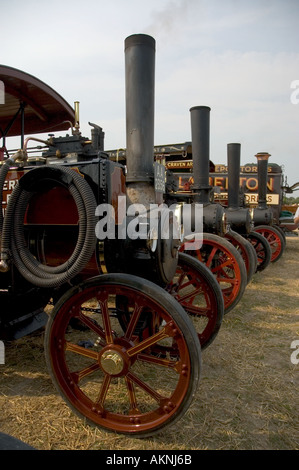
(77, 119)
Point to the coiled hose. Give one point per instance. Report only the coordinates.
(13, 244)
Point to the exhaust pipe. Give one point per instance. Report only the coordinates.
(239, 219)
(214, 220)
(140, 106)
(262, 161)
(262, 213)
(233, 164)
(200, 135)
(152, 251)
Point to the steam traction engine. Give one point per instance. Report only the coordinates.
(131, 314)
(222, 258)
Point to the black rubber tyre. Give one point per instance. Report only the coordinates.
(227, 265)
(262, 248)
(197, 290)
(246, 250)
(280, 229)
(275, 238)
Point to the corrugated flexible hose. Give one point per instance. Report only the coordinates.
(13, 242)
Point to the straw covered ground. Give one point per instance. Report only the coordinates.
(247, 398)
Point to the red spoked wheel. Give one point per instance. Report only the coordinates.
(275, 240)
(282, 232)
(262, 249)
(117, 379)
(198, 292)
(246, 250)
(227, 265)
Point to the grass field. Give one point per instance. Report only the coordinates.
(247, 398)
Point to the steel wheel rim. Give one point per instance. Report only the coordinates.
(262, 249)
(95, 410)
(274, 240)
(222, 263)
(196, 295)
(247, 252)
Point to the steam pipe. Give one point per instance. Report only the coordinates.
(140, 103)
(200, 135)
(77, 119)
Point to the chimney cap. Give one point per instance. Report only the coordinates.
(263, 155)
(140, 40)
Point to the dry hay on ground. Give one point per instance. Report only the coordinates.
(247, 397)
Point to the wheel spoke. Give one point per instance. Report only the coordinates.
(75, 348)
(106, 318)
(92, 325)
(164, 333)
(221, 266)
(132, 396)
(168, 363)
(175, 287)
(146, 388)
(211, 256)
(133, 321)
(191, 295)
(77, 376)
(197, 311)
(104, 390)
(227, 280)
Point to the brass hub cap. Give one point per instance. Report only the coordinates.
(112, 362)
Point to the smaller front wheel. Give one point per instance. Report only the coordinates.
(198, 292)
(262, 249)
(123, 354)
(246, 250)
(226, 264)
(275, 239)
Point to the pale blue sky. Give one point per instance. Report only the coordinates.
(237, 56)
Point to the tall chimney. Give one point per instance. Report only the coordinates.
(233, 163)
(213, 214)
(200, 134)
(262, 162)
(140, 104)
(239, 218)
(263, 214)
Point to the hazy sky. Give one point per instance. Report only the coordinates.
(239, 57)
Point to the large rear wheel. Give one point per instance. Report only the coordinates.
(134, 380)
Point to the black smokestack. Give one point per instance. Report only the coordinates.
(239, 218)
(233, 163)
(262, 161)
(200, 132)
(140, 103)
